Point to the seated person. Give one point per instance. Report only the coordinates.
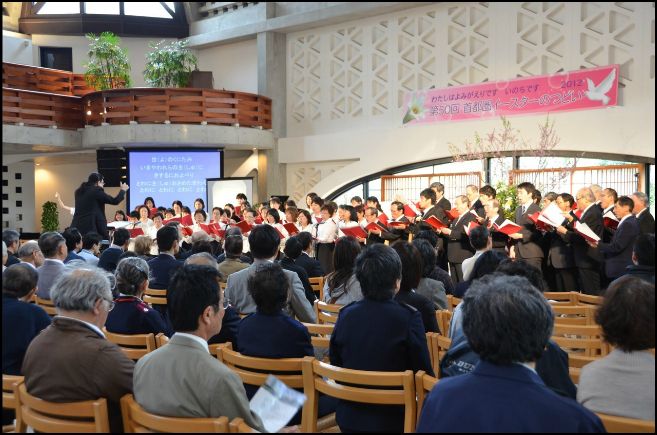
(437, 273)
(643, 257)
(378, 334)
(292, 251)
(341, 286)
(21, 321)
(182, 379)
(313, 266)
(131, 315)
(622, 383)
(504, 393)
(53, 247)
(110, 256)
(165, 265)
(71, 360)
(485, 264)
(233, 245)
(411, 272)
(73, 244)
(429, 287)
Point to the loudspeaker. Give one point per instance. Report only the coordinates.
(113, 165)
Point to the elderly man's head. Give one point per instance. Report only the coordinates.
(30, 252)
(506, 319)
(84, 292)
(379, 272)
(19, 281)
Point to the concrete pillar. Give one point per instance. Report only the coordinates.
(271, 83)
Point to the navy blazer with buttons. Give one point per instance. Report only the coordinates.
(502, 398)
(273, 336)
(380, 336)
(618, 253)
(162, 269)
(133, 316)
(312, 266)
(21, 322)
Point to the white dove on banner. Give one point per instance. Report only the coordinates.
(598, 92)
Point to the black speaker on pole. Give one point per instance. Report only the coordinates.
(113, 165)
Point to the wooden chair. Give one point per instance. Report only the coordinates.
(326, 313)
(155, 296)
(573, 315)
(584, 299)
(47, 305)
(9, 398)
(432, 357)
(444, 318)
(424, 383)
(137, 420)
(133, 345)
(452, 302)
(561, 298)
(237, 425)
(320, 334)
(363, 387)
(586, 339)
(317, 284)
(161, 339)
(614, 424)
(43, 416)
(440, 345)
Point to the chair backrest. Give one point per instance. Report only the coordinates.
(614, 424)
(8, 397)
(363, 387)
(561, 298)
(584, 339)
(440, 345)
(237, 425)
(574, 314)
(133, 345)
(161, 339)
(326, 313)
(320, 334)
(254, 371)
(137, 420)
(584, 299)
(452, 302)
(317, 284)
(155, 296)
(444, 318)
(47, 305)
(424, 383)
(43, 416)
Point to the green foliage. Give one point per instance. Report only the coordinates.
(108, 66)
(50, 217)
(169, 65)
(508, 197)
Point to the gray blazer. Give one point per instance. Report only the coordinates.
(434, 291)
(238, 293)
(182, 379)
(49, 271)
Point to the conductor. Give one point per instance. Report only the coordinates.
(90, 200)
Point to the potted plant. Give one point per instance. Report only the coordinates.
(169, 65)
(49, 217)
(108, 66)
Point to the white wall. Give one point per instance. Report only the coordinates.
(234, 67)
(137, 49)
(17, 48)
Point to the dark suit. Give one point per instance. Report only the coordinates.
(608, 232)
(618, 253)
(229, 325)
(109, 259)
(380, 336)
(499, 239)
(561, 258)
(529, 247)
(509, 398)
(646, 223)
(444, 203)
(162, 269)
(437, 210)
(587, 259)
(426, 308)
(90, 209)
(646, 273)
(478, 208)
(133, 316)
(289, 264)
(312, 266)
(458, 247)
(21, 322)
(12, 259)
(398, 233)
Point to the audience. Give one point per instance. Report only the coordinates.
(643, 258)
(233, 245)
(53, 246)
(71, 360)
(110, 256)
(73, 244)
(131, 315)
(292, 251)
(21, 321)
(12, 240)
(5, 256)
(504, 393)
(378, 334)
(411, 272)
(341, 286)
(31, 254)
(264, 241)
(428, 287)
(485, 264)
(481, 242)
(438, 273)
(165, 264)
(182, 379)
(142, 247)
(623, 382)
(91, 248)
(312, 266)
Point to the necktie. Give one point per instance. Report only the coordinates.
(523, 209)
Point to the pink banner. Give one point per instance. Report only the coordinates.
(576, 90)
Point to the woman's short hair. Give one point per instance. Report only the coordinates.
(344, 258)
(143, 245)
(506, 319)
(201, 212)
(412, 265)
(627, 314)
(191, 290)
(378, 268)
(130, 275)
(19, 279)
(80, 286)
(269, 288)
(524, 269)
(428, 254)
(274, 213)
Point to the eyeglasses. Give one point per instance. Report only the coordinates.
(226, 303)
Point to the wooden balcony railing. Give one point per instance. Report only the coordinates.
(34, 78)
(44, 97)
